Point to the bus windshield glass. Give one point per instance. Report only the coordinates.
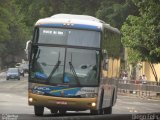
(56, 65)
(73, 37)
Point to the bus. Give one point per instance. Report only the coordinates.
(66, 65)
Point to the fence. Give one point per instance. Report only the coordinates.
(136, 87)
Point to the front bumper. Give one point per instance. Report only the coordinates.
(13, 77)
(62, 103)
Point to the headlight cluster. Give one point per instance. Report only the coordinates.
(89, 95)
(38, 92)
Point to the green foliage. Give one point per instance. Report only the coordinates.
(134, 56)
(115, 12)
(4, 21)
(36, 9)
(142, 33)
(13, 32)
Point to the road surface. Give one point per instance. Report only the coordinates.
(13, 100)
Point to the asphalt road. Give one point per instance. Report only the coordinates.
(13, 101)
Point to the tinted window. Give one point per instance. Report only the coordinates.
(13, 70)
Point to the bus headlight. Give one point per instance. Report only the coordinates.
(93, 104)
(30, 99)
(38, 92)
(89, 95)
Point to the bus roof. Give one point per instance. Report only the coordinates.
(71, 20)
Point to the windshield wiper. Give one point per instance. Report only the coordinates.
(54, 69)
(74, 73)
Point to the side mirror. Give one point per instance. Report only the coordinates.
(28, 49)
(105, 64)
(105, 60)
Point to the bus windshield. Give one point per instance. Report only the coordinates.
(73, 37)
(72, 66)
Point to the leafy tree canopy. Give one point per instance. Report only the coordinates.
(13, 31)
(142, 33)
(115, 12)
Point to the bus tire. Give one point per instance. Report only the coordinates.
(100, 111)
(62, 112)
(93, 112)
(96, 112)
(38, 110)
(54, 111)
(107, 110)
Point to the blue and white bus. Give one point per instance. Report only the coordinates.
(66, 63)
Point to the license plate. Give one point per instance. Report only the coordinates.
(61, 102)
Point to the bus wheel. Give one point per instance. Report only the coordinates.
(93, 112)
(62, 112)
(107, 110)
(54, 111)
(38, 110)
(96, 112)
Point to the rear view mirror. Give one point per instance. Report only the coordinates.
(28, 49)
(105, 64)
(105, 60)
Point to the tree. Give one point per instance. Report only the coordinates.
(115, 12)
(4, 21)
(142, 33)
(36, 9)
(13, 32)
